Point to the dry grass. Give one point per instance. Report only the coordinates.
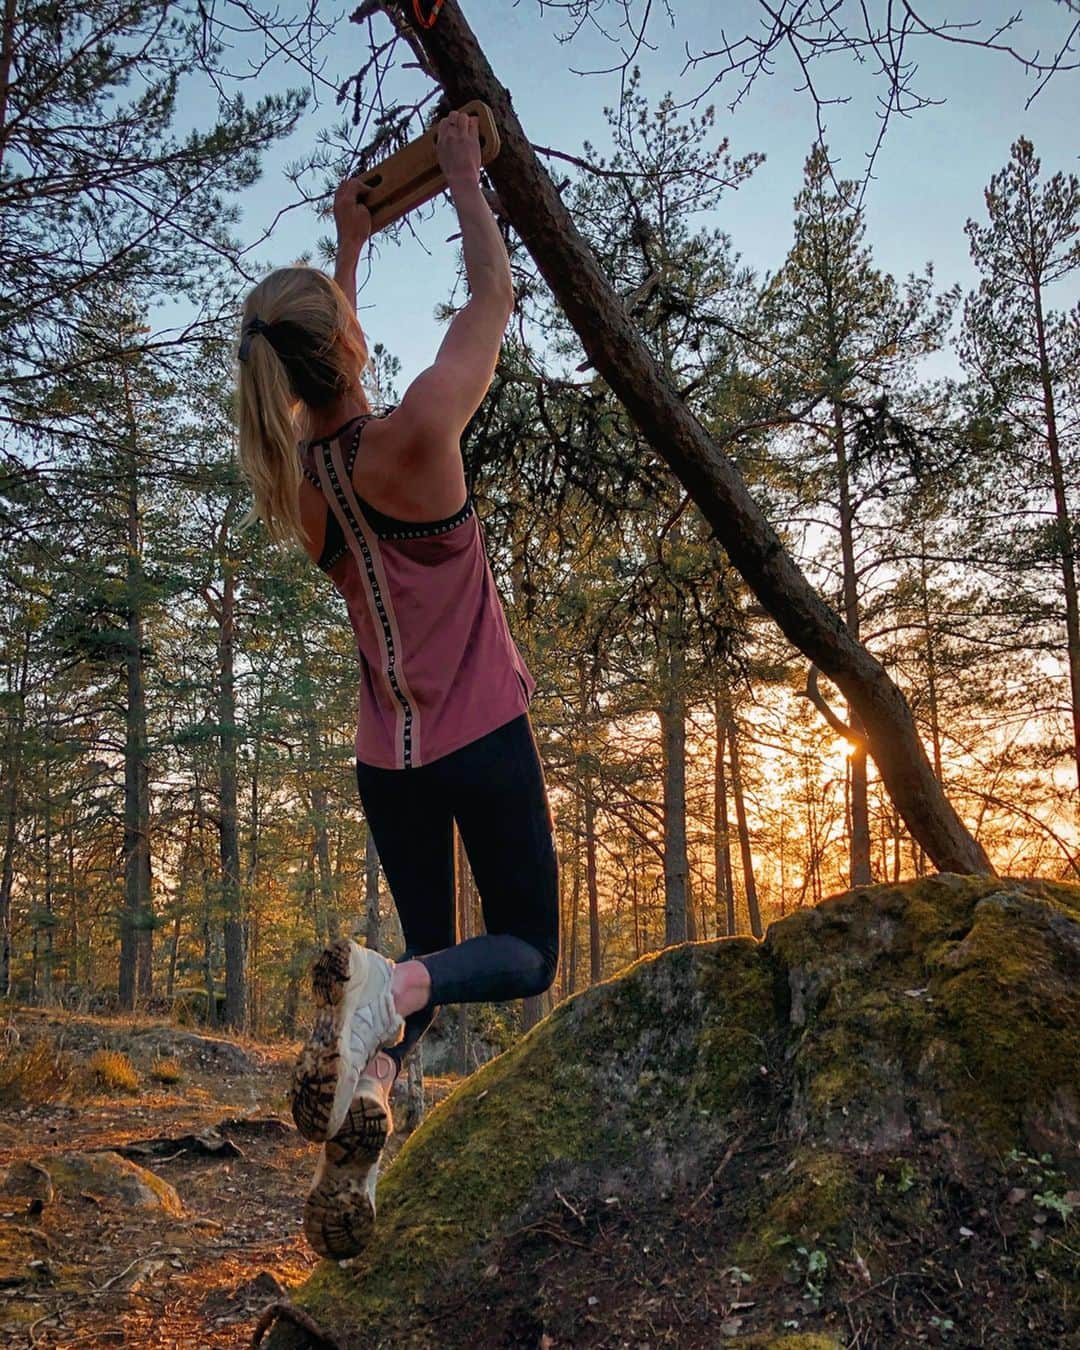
(166, 1070)
(113, 1070)
(34, 1074)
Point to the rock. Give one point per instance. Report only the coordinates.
(113, 1178)
(16, 1252)
(739, 1115)
(440, 1050)
(27, 1181)
(205, 1052)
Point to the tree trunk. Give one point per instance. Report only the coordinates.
(931, 656)
(414, 1090)
(207, 926)
(371, 893)
(532, 1011)
(13, 744)
(676, 866)
(859, 852)
(635, 897)
(617, 350)
(136, 919)
(570, 982)
(591, 881)
(229, 828)
(725, 882)
(7, 53)
(749, 884)
(1064, 524)
(462, 878)
(47, 859)
(174, 952)
(329, 921)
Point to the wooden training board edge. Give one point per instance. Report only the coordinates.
(411, 176)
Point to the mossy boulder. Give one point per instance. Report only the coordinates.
(107, 1176)
(769, 1143)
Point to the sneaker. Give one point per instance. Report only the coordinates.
(356, 1015)
(339, 1213)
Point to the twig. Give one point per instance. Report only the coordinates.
(575, 1212)
(286, 1312)
(733, 1148)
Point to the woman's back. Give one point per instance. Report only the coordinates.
(438, 665)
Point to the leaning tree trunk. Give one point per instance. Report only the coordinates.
(453, 57)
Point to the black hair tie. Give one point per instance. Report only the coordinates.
(253, 326)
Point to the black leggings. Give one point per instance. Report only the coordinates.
(494, 789)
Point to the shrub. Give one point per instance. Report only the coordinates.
(114, 1071)
(35, 1074)
(164, 1070)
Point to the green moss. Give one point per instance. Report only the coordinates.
(738, 984)
(809, 1204)
(893, 1024)
(1009, 1002)
(559, 1098)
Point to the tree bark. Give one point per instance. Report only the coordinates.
(676, 866)
(13, 742)
(591, 881)
(462, 878)
(229, 828)
(859, 850)
(570, 979)
(414, 1090)
(136, 919)
(725, 881)
(753, 910)
(371, 893)
(616, 349)
(7, 52)
(1062, 517)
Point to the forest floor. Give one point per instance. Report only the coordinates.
(86, 1266)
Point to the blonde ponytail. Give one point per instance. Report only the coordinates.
(312, 354)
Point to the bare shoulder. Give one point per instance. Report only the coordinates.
(419, 424)
(409, 464)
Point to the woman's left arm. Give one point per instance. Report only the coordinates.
(353, 222)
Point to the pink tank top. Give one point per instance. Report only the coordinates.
(438, 667)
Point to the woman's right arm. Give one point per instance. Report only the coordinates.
(438, 404)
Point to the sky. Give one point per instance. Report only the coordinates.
(929, 176)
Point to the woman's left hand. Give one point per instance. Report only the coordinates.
(351, 217)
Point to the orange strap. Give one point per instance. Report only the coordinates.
(426, 21)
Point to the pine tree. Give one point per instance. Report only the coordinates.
(847, 335)
(1026, 355)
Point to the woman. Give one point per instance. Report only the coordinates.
(380, 503)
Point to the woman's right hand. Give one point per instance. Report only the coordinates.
(351, 217)
(457, 148)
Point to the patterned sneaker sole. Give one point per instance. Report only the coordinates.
(339, 1214)
(326, 1075)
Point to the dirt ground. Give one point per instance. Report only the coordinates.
(86, 1269)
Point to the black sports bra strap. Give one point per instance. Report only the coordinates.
(354, 444)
